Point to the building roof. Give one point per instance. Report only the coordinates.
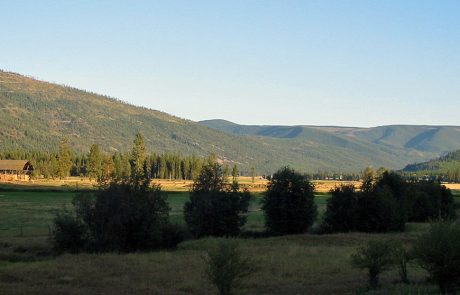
(15, 165)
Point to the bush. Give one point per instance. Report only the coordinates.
(379, 207)
(379, 212)
(226, 266)
(401, 257)
(213, 208)
(438, 251)
(341, 210)
(288, 203)
(68, 234)
(376, 257)
(124, 216)
(429, 200)
(173, 235)
(216, 213)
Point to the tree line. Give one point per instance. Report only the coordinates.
(99, 165)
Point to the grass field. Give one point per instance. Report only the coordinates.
(82, 183)
(300, 264)
(25, 213)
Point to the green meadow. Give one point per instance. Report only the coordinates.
(297, 264)
(30, 213)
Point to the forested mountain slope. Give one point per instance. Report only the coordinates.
(36, 115)
(448, 165)
(403, 141)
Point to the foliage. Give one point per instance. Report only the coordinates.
(288, 203)
(226, 266)
(213, 209)
(429, 200)
(341, 211)
(402, 256)
(438, 251)
(138, 157)
(379, 212)
(124, 217)
(68, 234)
(95, 162)
(368, 179)
(64, 159)
(376, 257)
(211, 178)
(173, 234)
(386, 203)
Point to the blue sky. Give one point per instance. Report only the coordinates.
(353, 63)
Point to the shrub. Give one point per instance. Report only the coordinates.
(379, 207)
(401, 257)
(68, 234)
(288, 203)
(213, 208)
(226, 266)
(429, 200)
(124, 216)
(173, 235)
(216, 213)
(438, 251)
(375, 256)
(397, 187)
(421, 206)
(340, 215)
(379, 212)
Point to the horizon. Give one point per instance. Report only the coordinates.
(358, 64)
(220, 119)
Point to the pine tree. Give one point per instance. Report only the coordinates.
(64, 159)
(95, 162)
(138, 156)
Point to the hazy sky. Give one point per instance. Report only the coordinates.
(354, 63)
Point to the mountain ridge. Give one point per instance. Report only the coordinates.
(35, 115)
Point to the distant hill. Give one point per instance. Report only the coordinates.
(376, 143)
(35, 115)
(448, 165)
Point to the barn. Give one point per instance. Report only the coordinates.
(11, 170)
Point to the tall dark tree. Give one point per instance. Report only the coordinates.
(64, 159)
(95, 159)
(289, 203)
(138, 156)
(368, 178)
(213, 209)
(341, 211)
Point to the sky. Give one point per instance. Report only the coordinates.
(349, 63)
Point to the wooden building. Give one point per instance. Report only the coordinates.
(11, 170)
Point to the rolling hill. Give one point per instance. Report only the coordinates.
(35, 115)
(379, 144)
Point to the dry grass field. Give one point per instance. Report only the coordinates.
(301, 264)
(82, 183)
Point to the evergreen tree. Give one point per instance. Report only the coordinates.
(138, 156)
(95, 162)
(64, 159)
(213, 210)
(288, 204)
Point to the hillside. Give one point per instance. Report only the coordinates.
(35, 115)
(379, 144)
(448, 165)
